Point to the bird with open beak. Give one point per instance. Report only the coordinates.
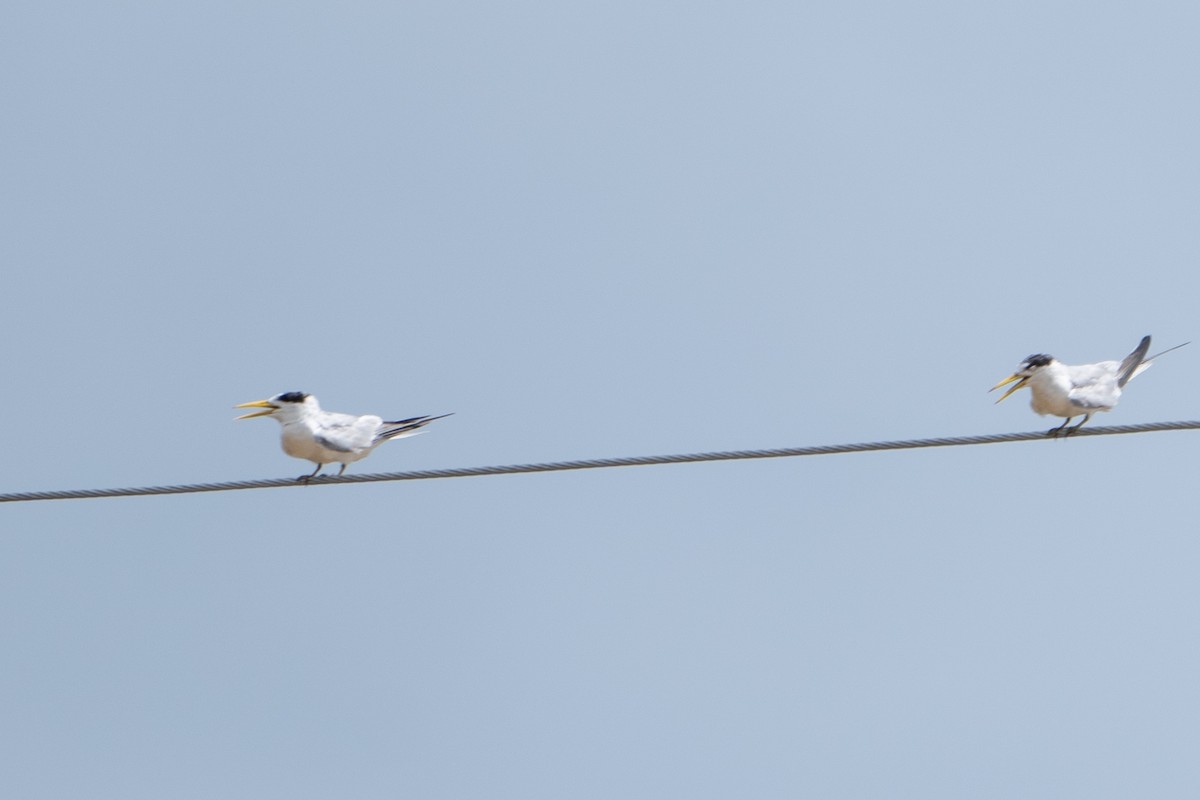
(1067, 391)
(327, 437)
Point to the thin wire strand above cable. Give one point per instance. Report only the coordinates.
(594, 463)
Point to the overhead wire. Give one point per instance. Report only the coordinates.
(594, 463)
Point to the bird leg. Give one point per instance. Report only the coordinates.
(1056, 432)
(1086, 417)
(311, 475)
(342, 470)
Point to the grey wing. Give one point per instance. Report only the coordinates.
(347, 434)
(1094, 386)
(1129, 367)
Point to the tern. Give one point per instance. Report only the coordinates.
(326, 437)
(1068, 391)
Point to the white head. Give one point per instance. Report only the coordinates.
(286, 407)
(1025, 370)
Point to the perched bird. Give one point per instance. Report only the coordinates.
(326, 437)
(1066, 391)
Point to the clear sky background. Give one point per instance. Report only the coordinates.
(597, 229)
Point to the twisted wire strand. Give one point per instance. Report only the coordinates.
(592, 463)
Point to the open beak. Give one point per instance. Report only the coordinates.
(1020, 379)
(265, 404)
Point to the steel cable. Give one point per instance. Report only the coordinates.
(593, 463)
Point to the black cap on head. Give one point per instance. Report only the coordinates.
(1039, 360)
(292, 397)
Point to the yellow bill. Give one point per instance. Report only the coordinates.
(265, 404)
(1021, 381)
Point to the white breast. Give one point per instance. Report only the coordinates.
(1051, 390)
(298, 442)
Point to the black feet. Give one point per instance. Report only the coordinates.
(311, 475)
(1062, 431)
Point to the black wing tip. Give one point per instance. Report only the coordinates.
(1142, 348)
(416, 422)
(1132, 361)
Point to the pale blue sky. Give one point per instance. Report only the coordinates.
(597, 229)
